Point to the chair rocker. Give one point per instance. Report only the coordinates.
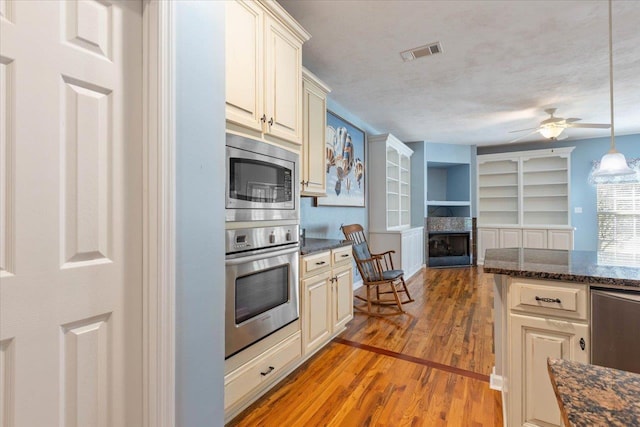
(384, 284)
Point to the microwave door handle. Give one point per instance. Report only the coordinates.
(257, 257)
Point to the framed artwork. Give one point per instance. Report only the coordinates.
(345, 163)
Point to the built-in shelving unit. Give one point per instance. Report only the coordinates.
(523, 199)
(390, 203)
(448, 189)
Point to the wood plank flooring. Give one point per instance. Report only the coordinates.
(428, 367)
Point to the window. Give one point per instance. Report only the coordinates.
(618, 223)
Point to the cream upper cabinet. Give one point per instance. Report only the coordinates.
(314, 123)
(264, 70)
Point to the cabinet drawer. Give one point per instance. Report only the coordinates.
(264, 368)
(568, 300)
(315, 262)
(342, 254)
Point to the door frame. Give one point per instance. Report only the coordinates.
(158, 217)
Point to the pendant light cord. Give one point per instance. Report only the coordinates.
(613, 144)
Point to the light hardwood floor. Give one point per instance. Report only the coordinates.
(428, 367)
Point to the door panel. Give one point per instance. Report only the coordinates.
(71, 213)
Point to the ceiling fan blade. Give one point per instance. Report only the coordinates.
(522, 130)
(525, 135)
(572, 119)
(589, 125)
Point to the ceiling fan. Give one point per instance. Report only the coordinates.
(553, 127)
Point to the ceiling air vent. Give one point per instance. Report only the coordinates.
(419, 52)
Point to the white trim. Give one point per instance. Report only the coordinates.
(158, 216)
(495, 381)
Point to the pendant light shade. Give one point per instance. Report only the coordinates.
(613, 163)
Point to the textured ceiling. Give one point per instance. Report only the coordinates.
(503, 63)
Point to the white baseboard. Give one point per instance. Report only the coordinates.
(357, 284)
(495, 381)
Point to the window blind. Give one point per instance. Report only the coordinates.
(618, 210)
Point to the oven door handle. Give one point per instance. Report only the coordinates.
(257, 257)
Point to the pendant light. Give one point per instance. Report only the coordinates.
(613, 163)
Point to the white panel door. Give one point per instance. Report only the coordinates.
(510, 238)
(487, 239)
(534, 238)
(71, 279)
(561, 239)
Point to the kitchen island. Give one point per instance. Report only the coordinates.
(591, 395)
(542, 308)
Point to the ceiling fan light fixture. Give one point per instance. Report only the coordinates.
(551, 132)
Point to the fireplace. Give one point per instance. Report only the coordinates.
(450, 241)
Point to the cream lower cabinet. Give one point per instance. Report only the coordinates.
(327, 296)
(539, 327)
(254, 377)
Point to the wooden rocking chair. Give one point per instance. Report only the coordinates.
(378, 274)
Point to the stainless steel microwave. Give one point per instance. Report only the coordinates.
(262, 181)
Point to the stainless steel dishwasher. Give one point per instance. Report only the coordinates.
(615, 329)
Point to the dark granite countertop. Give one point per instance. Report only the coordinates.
(590, 395)
(312, 245)
(594, 268)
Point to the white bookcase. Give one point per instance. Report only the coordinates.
(523, 200)
(390, 203)
(389, 183)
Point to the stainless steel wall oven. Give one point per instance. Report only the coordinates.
(261, 283)
(262, 181)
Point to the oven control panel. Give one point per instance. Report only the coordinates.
(250, 239)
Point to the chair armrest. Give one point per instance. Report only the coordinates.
(386, 258)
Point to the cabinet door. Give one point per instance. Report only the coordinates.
(533, 339)
(283, 79)
(560, 239)
(342, 297)
(244, 63)
(534, 238)
(317, 321)
(313, 156)
(510, 238)
(487, 239)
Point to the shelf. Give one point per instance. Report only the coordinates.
(545, 196)
(499, 186)
(544, 184)
(497, 173)
(448, 203)
(498, 197)
(497, 210)
(546, 170)
(526, 211)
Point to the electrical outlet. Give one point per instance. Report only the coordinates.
(577, 209)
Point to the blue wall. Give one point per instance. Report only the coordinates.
(200, 133)
(583, 194)
(325, 221)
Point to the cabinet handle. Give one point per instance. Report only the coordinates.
(345, 255)
(321, 263)
(583, 344)
(267, 372)
(556, 300)
(263, 119)
(271, 121)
